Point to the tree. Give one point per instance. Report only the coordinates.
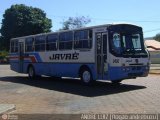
(75, 22)
(21, 20)
(157, 37)
(2, 43)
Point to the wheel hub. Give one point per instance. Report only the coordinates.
(86, 76)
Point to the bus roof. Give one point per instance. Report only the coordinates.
(83, 28)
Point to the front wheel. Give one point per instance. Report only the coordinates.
(86, 77)
(31, 72)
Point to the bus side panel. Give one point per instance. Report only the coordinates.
(115, 73)
(14, 66)
(60, 69)
(14, 62)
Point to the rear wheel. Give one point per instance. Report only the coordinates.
(31, 72)
(86, 77)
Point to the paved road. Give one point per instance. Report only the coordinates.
(46, 95)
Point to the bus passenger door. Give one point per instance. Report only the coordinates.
(102, 66)
(21, 56)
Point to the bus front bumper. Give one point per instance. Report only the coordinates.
(128, 72)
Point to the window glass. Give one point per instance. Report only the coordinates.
(29, 44)
(83, 39)
(82, 34)
(105, 44)
(67, 36)
(136, 41)
(14, 46)
(124, 41)
(40, 43)
(127, 44)
(99, 43)
(65, 40)
(29, 41)
(52, 38)
(116, 43)
(116, 40)
(51, 43)
(40, 39)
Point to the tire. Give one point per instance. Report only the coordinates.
(31, 72)
(86, 77)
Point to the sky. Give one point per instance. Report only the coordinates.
(144, 13)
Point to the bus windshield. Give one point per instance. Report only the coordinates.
(127, 44)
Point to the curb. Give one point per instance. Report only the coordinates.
(154, 71)
(5, 108)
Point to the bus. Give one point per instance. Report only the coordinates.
(113, 52)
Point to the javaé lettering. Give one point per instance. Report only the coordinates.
(68, 56)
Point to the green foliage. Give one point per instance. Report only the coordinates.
(3, 53)
(2, 43)
(21, 20)
(4, 57)
(157, 37)
(75, 22)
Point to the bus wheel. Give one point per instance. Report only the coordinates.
(86, 77)
(31, 72)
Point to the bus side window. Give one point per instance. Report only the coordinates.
(40, 43)
(65, 40)
(51, 42)
(29, 44)
(14, 46)
(83, 39)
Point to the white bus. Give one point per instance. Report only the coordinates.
(111, 52)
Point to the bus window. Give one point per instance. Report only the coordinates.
(51, 42)
(116, 43)
(82, 39)
(136, 41)
(40, 43)
(29, 44)
(65, 40)
(14, 46)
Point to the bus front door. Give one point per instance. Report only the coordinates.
(21, 56)
(102, 66)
